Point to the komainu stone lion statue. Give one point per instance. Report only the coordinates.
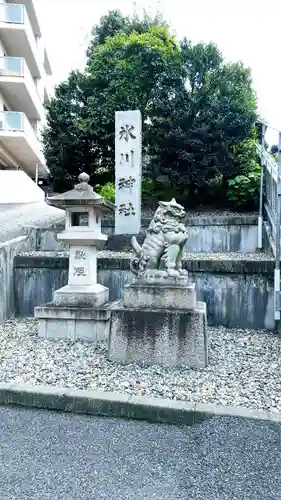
(165, 240)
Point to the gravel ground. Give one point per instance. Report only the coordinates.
(204, 211)
(244, 367)
(108, 254)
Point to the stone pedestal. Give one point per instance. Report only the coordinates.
(153, 296)
(73, 323)
(91, 295)
(159, 324)
(159, 336)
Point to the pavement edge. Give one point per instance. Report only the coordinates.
(121, 405)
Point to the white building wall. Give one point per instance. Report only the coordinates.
(17, 187)
(3, 49)
(40, 81)
(5, 155)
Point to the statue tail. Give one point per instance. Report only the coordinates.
(135, 245)
(136, 258)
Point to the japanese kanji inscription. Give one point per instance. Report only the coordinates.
(128, 161)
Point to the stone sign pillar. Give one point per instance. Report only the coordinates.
(128, 162)
(79, 309)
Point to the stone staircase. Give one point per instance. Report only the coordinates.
(231, 275)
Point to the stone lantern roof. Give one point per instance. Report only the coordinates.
(82, 195)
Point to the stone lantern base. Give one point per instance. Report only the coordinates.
(74, 323)
(76, 313)
(91, 295)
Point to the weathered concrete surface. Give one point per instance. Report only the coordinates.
(91, 295)
(238, 293)
(158, 296)
(14, 218)
(73, 323)
(8, 251)
(18, 234)
(124, 405)
(230, 238)
(205, 234)
(159, 336)
(268, 239)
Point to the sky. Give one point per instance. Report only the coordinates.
(244, 30)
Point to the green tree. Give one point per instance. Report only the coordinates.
(198, 112)
(114, 22)
(66, 147)
(127, 71)
(199, 133)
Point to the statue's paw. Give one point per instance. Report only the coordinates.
(183, 272)
(173, 273)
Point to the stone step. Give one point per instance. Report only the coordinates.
(237, 287)
(214, 232)
(229, 262)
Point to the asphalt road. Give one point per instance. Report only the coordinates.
(48, 455)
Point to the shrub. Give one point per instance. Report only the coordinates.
(149, 193)
(243, 190)
(107, 191)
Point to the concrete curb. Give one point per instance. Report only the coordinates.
(121, 405)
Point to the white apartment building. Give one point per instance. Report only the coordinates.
(24, 71)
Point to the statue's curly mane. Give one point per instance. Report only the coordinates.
(165, 230)
(164, 216)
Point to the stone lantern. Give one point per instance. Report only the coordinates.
(81, 300)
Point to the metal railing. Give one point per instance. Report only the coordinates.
(270, 208)
(13, 13)
(12, 66)
(17, 67)
(15, 121)
(270, 174)
(11, 121)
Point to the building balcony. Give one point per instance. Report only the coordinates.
(18, 87)
(20, 139)
(18, 37)
(48, 91)
(32, 14)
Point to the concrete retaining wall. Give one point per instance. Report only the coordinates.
(205, 234)
(239, 294)
(8, 250)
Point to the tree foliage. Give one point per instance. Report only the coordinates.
(204, 126)
(198, 112)
(114, 22)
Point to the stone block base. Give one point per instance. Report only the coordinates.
(73, 323)
(160, 336)
(155, 296)
(74, 295)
